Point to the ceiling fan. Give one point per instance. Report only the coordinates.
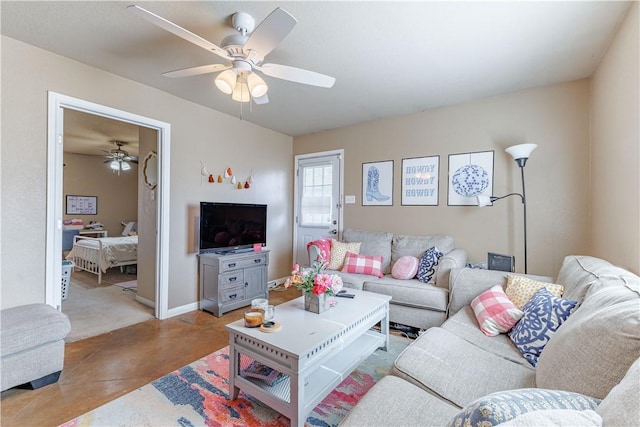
(245, 53)
(119, 159)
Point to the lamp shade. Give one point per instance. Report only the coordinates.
(257, 85)
(521, 151)
(483, 200)
(115, 165)
(241, 92)
(125, 166)
(226, 81)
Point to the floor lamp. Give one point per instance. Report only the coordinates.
(520, 154)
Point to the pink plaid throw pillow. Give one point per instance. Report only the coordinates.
(495, 312)
(362, 264)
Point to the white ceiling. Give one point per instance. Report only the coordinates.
(388, 58)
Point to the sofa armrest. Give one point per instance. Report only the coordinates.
(457, 258)
(467, 283)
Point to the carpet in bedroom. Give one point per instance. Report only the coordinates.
(197, 394)
(97, 309)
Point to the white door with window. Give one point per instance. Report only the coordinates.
(318, 204)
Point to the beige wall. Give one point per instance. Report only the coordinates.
(147, 205)
(557, 174)
(197, 133)
(615, 161)
(117, 195)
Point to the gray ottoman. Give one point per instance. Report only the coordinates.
(31, 345)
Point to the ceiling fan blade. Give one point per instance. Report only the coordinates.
(196, 71)
(297, 75)
(177, 30)
(270, 32)
(261, 100)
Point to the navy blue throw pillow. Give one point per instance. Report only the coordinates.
(428, 263)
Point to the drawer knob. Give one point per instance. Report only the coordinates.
(233, 264)
(233, 279)
(257, 261)
(233, 296)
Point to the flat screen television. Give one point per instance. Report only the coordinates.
(232, 227)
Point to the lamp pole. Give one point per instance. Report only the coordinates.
(524, 209)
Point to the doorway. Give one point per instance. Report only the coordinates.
(318, 200)
(57, 105)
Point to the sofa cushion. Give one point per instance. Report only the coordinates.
(29, 326)
(352, 280)
(395, 402)
(495, 312)
(409, 292)
(520, 289)
(497, 408)
(543, 315)
(456, 370)
(620, 407)
(339, 252)
(464, 325)
(363, 264)
(405, 268)
(372, 243)
(595, 347)
(402, 245)
(579, 273)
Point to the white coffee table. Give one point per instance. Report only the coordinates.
(315, 351)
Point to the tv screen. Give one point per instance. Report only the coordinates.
(231, 226)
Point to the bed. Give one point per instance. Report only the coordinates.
(96, 255)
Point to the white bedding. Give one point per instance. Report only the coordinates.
(114, 250)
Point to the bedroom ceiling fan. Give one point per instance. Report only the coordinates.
(119, 159)
(245, 53)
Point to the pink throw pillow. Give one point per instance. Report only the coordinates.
(405, 268)
(362, 264)
(495, 312)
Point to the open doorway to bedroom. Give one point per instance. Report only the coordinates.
(108, 217)
(152, 212)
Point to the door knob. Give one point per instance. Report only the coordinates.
(334, 231)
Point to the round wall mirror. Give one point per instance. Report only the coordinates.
(150, 170)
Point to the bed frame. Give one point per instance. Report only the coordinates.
(88, 259)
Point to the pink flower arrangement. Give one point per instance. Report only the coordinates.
(313, 279)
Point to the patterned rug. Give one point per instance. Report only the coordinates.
(196, 395)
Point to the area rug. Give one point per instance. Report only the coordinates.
(98, 310)
(196, 395)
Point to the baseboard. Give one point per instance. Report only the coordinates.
(275, 283)
(177, 311)
(145, 301)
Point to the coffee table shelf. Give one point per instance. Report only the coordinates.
(315, 352)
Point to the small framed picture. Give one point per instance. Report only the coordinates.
(377, 183)
(420, 181)
(82, 205)
(470, 175)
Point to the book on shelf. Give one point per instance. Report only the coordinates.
(263, 372)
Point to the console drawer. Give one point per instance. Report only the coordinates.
(232, 294)
(233, 278)
(243, 263)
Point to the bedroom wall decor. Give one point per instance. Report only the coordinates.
(82, 205)
(377, 183)
(470, 175)
(420, 181)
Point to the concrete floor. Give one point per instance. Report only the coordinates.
(100, 369)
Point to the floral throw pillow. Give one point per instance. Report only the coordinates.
(503, 406)
(428, 264)
(543, 315)
(339, 251)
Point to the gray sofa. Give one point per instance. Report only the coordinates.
(595, 353)
(413, 303)
(31, 345)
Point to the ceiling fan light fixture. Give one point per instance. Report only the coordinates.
(241, 92)
(257, 86)
(125, 166)
(226, 81)
(115, 165)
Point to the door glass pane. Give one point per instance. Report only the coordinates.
(315, 203)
